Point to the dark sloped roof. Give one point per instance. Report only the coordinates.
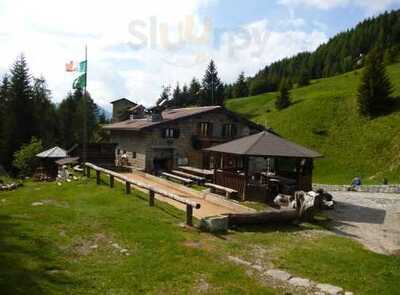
(264, 144)
(117, 100)
(171, 115)
(55, 152)
(168, 116)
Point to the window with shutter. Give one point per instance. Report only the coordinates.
(229, 130)
(170, 133)
(205, 129)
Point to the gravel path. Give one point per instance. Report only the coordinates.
(370, 218)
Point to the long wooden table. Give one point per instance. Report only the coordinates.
(196, 171)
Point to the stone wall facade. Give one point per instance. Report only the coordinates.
(390, 189)
(119, 109)
(145, 146)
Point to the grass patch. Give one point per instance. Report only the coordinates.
(324, 117)
(309, 251)
(67, 245)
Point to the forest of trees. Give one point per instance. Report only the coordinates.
(211, 91)
(342, 53)
(27, 112)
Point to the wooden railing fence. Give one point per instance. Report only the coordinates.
(231, 180)
(190, 205)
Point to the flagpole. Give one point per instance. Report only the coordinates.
(84, 147)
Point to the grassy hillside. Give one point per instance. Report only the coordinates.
(80, 238)
(324, 117)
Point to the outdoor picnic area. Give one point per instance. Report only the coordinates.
(81, 237)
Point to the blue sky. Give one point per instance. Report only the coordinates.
(136, 47)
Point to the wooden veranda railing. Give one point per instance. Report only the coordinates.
(231, 180)
(190, 205)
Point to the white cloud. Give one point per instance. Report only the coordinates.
(265, 47)
(322, 4)
(371, 6)
(50, 33)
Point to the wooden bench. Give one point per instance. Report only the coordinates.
(208, 174)
(196, 178)
(183, 180)
(228, 191)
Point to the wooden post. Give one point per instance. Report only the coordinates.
(246, 175)
(111, 181)
(151, 198)
(128, 188)
(97, 176)
(88, 171)
(189, 215)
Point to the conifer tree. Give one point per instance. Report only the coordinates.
(374, 92)
(304, 79)
(19, 124)
(212, 88)
(4, 93)
(241, 89)
(70, 118)
(177, 96)
(194, 92)
(185, 95)
(44, 113)
(283, 99)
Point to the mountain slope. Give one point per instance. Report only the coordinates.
(323, 116)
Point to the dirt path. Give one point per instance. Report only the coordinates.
(209, 206)
(372, 219)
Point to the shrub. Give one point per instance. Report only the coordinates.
(25, 159)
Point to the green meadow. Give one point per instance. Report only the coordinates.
(80, 238)
(324, 117)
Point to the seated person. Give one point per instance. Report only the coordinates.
(356, 183)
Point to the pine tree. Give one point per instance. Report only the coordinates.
(304, 79)
(71, 118)
(241, 89)
(92, 114)
(4, 93)
(228, 91)
(44, 113)
(194, 92)
(261, 85)
(374, 93)
(19, 123)
(185, 95)
(283, 99)
(65, 112)
(177, 96)
(212, 88)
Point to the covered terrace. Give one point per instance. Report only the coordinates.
(262, 165)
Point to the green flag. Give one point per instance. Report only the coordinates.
(83, 66)
(80, 82)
